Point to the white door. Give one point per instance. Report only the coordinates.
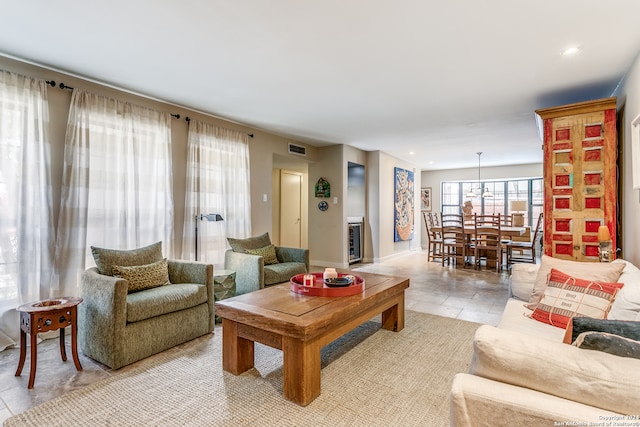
(290, 209)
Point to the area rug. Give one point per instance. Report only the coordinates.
(370, 377)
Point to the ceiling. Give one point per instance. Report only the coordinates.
(439, 79)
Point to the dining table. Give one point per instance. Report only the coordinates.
(470, 230)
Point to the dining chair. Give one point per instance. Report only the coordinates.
(527, 249)
(488, 240)
(454, 241)
(434, 236)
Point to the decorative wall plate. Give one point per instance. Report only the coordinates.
(323, 206)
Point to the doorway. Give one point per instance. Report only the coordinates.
(290, 209)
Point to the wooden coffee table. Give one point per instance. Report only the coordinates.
(300, 325)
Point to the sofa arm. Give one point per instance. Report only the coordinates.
(522, 281)
(480, 402)
(102, 316)
(249, 270)
(285, 254)
(590, 377)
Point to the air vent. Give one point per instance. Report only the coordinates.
(297, 149)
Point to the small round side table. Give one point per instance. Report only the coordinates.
(43, 316)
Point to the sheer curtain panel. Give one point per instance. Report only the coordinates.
(26, 221)
(218, 183)
(117, 181)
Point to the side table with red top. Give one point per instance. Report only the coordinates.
(43, 316)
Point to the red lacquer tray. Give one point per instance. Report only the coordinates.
(319, 289)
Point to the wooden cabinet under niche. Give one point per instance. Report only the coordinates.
(580, 184)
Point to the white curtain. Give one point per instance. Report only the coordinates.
(217, 183)
(26, 222)
(117, 181)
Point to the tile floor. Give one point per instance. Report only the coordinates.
(477, 296)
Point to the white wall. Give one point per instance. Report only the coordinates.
(628, 95)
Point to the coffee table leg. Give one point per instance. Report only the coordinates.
(393, 317)
(237, 352)
(301, 376)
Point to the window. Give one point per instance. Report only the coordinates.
(453, 196)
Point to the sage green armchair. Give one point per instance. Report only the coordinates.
(258, 263)
(117, 327)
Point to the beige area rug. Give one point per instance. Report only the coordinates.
(370, 377)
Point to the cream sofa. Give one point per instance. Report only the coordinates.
(521, 373)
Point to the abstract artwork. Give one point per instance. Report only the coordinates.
(403, 203)
(425, 199)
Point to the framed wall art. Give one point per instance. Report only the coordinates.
(403, 205)
(425, 199)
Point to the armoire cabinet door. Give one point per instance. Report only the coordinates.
(580, 186)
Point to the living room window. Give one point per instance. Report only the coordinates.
(453, 196)
(117, 182)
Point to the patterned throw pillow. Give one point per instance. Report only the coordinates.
(267, 252)
(566, 297)
(143, 277)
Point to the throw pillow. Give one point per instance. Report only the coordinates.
(566, 297)
(143, 277)
(596, 271)
(627, 303)
(578, 325)
(106, 258)
(609, 343)
(241, 245)
(268, 253)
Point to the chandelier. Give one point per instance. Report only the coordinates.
(484, 192)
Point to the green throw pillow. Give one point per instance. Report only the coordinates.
(267, 252)
(141, 277)
(106, 258)
(241, 245)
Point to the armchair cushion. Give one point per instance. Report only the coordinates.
(282, 272)
(141, 277)
(163, 300)
(241, 245)
(106, 258)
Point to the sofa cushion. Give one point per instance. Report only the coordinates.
(241, 245)
(627, 303)
(141, 277)
(590, 377)
(106, 258)
(609, 343)
(596, 271)
(268, 253)
(282, 272)
(566, 296)
(516, 318)
(164, 299)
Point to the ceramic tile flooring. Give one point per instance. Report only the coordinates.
(477, 296)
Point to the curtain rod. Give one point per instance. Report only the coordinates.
(188, 120)
(52, 83)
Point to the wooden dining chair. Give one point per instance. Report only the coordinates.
(488, 240)
(527, 249)
(434, 236)
(454, 242)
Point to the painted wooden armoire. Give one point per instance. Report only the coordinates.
(580, 183)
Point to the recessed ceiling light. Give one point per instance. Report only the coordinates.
(412, 152)
(571, 51)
